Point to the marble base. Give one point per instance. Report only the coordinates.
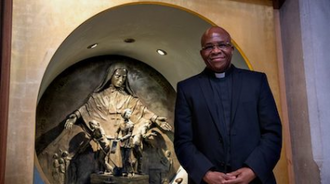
(107, 179)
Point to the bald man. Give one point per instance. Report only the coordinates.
(227, 128)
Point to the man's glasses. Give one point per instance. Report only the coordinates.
(221, 46)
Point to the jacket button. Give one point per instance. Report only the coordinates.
(220, 141)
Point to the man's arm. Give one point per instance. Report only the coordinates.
(265, 156)
(191, 159)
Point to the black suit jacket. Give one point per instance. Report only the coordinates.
(255, 129)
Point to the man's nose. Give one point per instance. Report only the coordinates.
(216, 49)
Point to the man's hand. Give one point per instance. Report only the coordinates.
(213, 177)
(161, 121)
(241, 176)
(70, 121)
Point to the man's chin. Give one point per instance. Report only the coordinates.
(219, 69)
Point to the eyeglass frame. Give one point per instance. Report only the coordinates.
(220, 46)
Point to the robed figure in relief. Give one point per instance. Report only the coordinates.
(108, 101)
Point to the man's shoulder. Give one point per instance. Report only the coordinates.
(247, 71)
(250, 73)
(190, 80)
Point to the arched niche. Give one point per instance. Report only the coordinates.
(153, 26)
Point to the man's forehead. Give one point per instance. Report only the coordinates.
(216, 30)
(216, 35)
(215, 38)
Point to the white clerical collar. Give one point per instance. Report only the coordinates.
(220, 75)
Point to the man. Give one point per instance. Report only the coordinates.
(227, 128)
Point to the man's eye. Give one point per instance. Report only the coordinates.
(209, 47)
(222, 45)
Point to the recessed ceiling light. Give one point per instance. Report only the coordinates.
(129, 40)
(92, 46)
(161, 52)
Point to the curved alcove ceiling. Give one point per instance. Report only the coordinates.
(153, 26)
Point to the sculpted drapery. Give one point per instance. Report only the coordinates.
(106, 107)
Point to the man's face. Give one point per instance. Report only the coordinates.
(119, 78)
(217, 50)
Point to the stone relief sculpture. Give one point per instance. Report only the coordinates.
(56, 168)
(125, 129)
(138, 138)
(60, 166)
(103, 147)
(62, 171)
(113, 136)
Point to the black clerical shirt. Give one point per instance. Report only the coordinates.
(221, 84)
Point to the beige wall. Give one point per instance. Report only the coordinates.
(39, 27)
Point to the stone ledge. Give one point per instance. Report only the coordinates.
(105, 179)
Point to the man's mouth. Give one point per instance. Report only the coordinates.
(218, 58)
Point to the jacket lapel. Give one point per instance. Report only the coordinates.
(236, 91)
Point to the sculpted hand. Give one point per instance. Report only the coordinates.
(241, 176)
(161, 121)
(150, 135)
(213, 177)
(70, 121)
